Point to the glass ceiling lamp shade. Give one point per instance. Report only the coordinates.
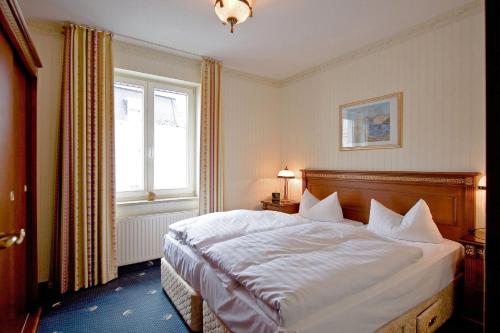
(233, 11)
(286, 174)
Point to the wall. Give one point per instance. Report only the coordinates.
(156, 62)
(251, 139)
(442, 74)
(49, 43)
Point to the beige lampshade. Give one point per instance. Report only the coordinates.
(285, 173)
(482, 183)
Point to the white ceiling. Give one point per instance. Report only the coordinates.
(283, 38)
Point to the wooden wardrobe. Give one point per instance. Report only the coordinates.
(19, 309)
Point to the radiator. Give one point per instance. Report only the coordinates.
(140, 238)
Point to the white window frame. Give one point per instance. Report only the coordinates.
(136, 195)
(150, 84)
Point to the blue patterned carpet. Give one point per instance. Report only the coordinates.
(135, 302)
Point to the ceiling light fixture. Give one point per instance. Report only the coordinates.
(233, 11)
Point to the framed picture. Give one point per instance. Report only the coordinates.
(372, 123)
(275, 197)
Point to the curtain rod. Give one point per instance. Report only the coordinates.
(65, 24)
(168, 48)
(142, 41)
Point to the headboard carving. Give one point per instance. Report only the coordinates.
(450, 195)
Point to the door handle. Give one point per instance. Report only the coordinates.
(7, 240)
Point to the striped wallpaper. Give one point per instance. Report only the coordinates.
(251, 140)
(442, 75)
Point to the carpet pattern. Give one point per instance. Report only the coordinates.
(135, 302)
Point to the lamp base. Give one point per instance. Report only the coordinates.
(285, 191)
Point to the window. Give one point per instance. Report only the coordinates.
(155, 135)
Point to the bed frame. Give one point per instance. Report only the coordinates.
(451, 199)
(450, 195)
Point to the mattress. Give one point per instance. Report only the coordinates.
(364, 311)
(239, 307)
(184, 260)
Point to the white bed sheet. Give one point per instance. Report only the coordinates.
(361, 312)
(372, 308)
(184, 260)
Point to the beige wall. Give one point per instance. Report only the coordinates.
(49, 43)
(156, 62)
(251, 140)
(442, 75)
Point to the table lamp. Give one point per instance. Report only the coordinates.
(286, 174)
(481, 185)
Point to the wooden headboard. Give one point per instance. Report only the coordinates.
(450, 196)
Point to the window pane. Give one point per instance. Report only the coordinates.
(129, 137)
(170, 140)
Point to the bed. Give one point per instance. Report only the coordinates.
(418, 298)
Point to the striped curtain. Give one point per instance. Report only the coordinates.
(211, 199)
(85, 235)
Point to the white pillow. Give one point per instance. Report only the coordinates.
(417, 225)
(308, 200)
(382, 219)
(326, 210)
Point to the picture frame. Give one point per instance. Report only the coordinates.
(275, 197)
(373, 123)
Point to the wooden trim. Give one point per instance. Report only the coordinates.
(31, 199)
(450, 195)
(474, 246)
(15, 26)
(33, 321)
(457, 178)
(474, 250)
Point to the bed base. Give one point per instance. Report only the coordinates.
(187, 300)
(426, 317)
(212, 323)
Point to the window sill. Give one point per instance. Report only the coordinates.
(157, 201)
(159, 206)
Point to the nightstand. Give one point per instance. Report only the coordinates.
(473, 302)
(289, 206)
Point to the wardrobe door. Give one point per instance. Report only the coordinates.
(13, 178)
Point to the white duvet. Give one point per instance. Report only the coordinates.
(216, 227)
(211, 228)
(292, 265)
